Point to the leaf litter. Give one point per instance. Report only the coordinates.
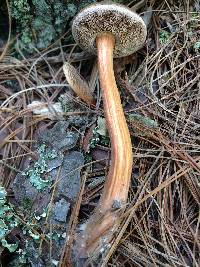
(160, 94)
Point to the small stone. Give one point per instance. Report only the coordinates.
(61, 210)
(116, 204)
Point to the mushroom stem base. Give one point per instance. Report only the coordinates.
(102, 225)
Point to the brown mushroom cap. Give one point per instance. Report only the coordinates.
(127, 27)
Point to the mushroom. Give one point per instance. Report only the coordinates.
(108, 29)
(78, 84)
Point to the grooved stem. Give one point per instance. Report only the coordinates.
(114, 197)
(117, 182)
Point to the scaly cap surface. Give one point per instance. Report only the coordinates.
(127, 27)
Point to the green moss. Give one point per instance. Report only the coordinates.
(100, 135)
(163, 36)
(8, 221)
(145, 121)
(20, 11)
(26, 203)
(197, 46)
(40, 22)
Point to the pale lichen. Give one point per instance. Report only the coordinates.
(35, 174)
(8, 221)
(40, 22)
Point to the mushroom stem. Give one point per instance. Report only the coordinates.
(118, 180)
(103, 223)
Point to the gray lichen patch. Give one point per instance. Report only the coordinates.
(40, 22)
(47, 205)
(69, 183)
(61, 209)
(59, 138)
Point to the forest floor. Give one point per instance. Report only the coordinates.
(54, 148)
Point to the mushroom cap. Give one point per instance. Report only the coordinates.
(127, 27)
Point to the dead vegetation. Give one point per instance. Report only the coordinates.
(161, 83)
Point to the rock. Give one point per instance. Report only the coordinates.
(69, 183)
(22, 189)
(62, 169)
(59, 138)
(61, 209)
